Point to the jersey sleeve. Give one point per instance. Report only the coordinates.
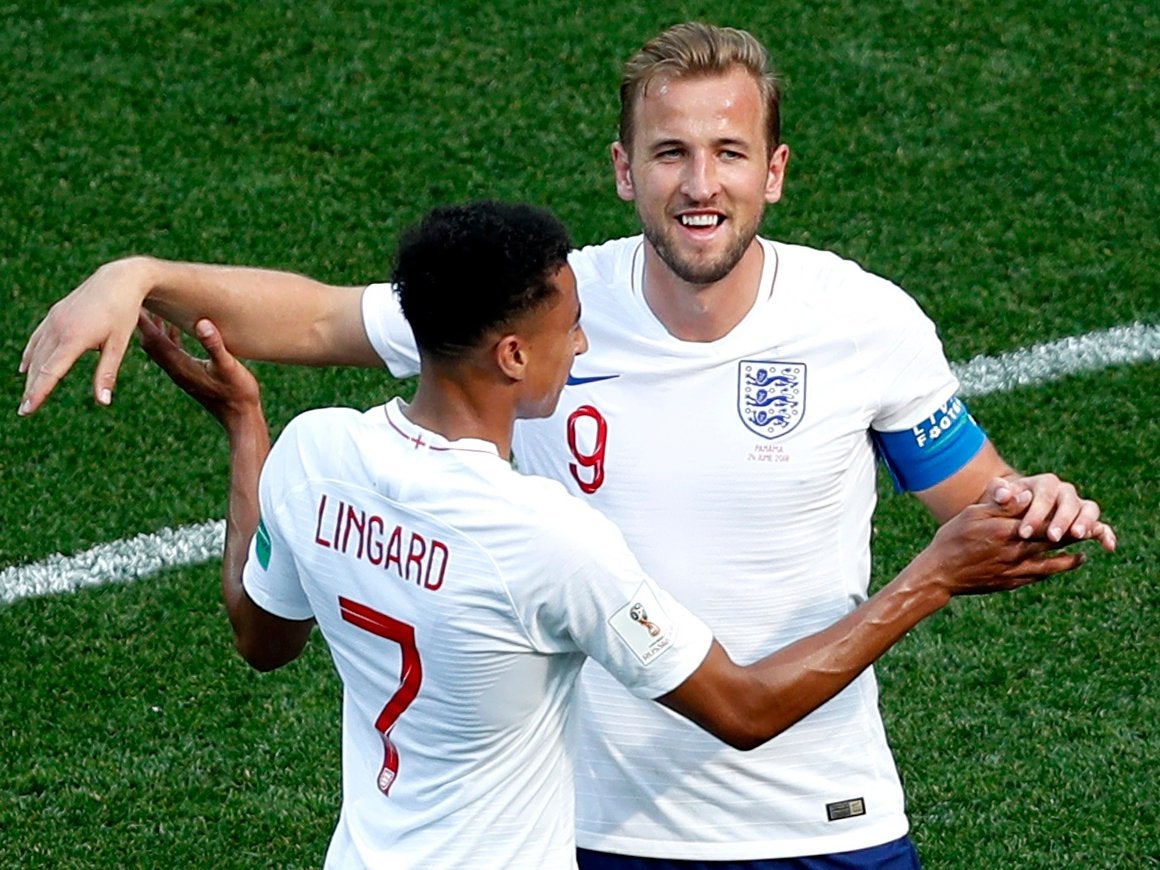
(270, 576)
(933, 449)
(388, 331)
(922, 429)
(600, 602)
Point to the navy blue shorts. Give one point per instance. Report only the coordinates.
(897, 855)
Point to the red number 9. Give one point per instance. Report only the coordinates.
(593, 460)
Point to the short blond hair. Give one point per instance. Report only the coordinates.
(694, 49)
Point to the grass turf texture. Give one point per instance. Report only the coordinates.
(998, 160)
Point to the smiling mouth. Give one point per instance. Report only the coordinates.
(701, 220)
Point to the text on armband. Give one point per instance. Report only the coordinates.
(933, 427)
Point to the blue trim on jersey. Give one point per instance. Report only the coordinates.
(934, 449)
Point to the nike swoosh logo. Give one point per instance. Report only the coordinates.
(574, 381)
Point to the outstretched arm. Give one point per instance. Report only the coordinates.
(261, 314)
(225, 388)
(978, 551)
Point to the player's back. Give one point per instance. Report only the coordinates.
(416, 562)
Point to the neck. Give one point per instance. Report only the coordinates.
(702, 312)
(462, 404)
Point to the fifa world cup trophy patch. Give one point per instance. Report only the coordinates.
(643, 625)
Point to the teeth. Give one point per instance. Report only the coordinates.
(699, 220)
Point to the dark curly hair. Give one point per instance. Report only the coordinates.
(466, 270)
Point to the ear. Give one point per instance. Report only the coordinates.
(775, 176)
(624, 188)
(511, 356)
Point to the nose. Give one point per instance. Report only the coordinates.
(581, 341)
(699, 182)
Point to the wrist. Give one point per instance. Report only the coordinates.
(923, 585)
(136, 274)
(245, 421)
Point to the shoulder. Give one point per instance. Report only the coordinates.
(317, 439)
(840, 286)
(605, 263)
(557, 516)
(317, 423)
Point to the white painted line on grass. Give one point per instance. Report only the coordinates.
(143, 555)
(114, 562)
(1057, 359)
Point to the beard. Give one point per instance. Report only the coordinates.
(698, 269)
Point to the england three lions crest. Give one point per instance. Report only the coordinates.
(771, 396)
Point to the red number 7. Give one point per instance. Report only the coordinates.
(410, 677)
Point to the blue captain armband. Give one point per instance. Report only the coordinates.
(934, 449)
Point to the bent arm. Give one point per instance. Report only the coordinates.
(746, 706)
(977, 552)
(224, 387)
(264, 640)
(263, 314)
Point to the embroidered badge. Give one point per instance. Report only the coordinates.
(644, 625)
(771, 396)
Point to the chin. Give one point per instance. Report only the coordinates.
(538, 412)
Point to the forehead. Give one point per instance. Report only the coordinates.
(717, 106)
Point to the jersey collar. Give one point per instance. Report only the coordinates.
(425, 439)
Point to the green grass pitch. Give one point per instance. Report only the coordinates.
(1000, 160)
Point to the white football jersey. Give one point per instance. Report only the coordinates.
(742, 474)
(459, 600)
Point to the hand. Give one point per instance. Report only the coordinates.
(221, 384)
(981, 549)
(1057, 513)
(98, 315)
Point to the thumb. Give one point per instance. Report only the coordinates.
(212, 341)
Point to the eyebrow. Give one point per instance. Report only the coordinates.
(725, 141)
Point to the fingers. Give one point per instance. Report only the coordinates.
(1068, 506)
(1106, 535)
(30, 349)
(155, 341)
(1081, 525)
(1042, 504)
(1048, 565)
(108, 364)
(163, 345)
(43, 376)
(56, 345)
(1011, 497)
(1058, 513)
